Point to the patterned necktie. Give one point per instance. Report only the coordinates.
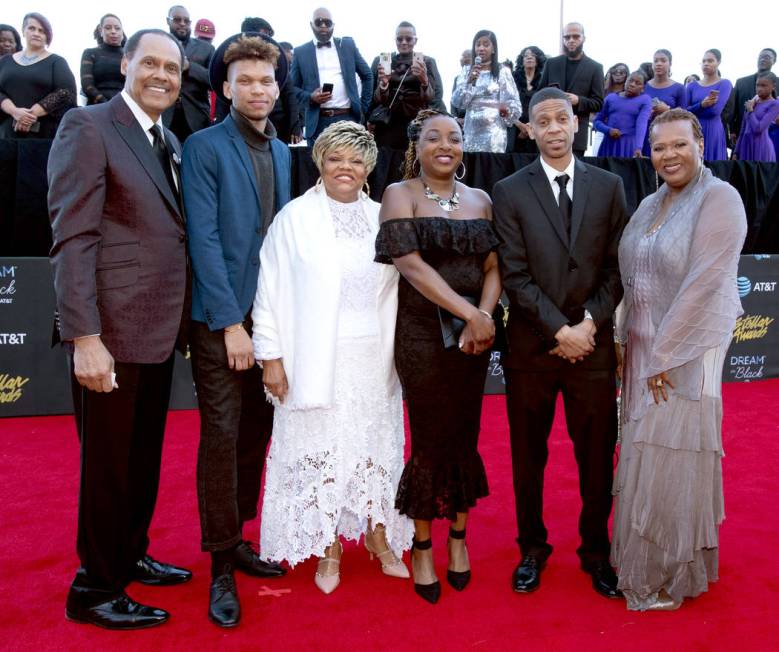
(163, 156)
(564, 202)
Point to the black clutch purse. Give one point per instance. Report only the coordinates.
(452, 326)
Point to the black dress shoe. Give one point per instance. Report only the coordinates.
(527, 576)
(156, 573)
(121, 612)
(248, 561)
(429, 592)
(604, 579)
(458, 580)
(223, 606)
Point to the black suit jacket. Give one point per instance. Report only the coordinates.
(119, 253)
(194, 86)
(549, 279)
(587, 83)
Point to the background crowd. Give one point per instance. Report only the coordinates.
(490, 95)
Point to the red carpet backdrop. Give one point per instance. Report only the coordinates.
(369, 610)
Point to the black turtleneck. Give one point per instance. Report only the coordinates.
(262, 162)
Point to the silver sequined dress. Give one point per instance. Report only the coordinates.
(485, 130)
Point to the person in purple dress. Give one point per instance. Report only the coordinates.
(706, 99)
(663, 91)
(623, 119)
(754, 143)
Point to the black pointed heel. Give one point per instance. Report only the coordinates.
(458, 580)
(429, 592)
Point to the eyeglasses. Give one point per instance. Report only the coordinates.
(323, 22)
(405, 39)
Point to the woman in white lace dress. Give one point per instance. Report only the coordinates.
(324, 326)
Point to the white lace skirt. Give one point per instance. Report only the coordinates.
(331, 470)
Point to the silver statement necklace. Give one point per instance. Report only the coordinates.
(26, 61)
(449, 205)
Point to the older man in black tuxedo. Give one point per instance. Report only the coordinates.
(560, 221)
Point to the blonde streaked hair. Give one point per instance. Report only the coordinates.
(676, 115)
(346, 134)
(251, 47)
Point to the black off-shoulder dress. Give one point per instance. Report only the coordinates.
(443, 387)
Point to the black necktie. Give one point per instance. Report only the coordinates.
(564, 202)
(163, 156)
(324, 45)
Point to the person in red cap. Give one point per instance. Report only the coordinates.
(205, 30)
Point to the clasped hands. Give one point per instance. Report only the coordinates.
(25, 118)
(574, 343)
(478, 334)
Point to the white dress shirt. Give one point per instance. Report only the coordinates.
(551, 173)
(329, 66)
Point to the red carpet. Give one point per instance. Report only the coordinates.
(373, 612)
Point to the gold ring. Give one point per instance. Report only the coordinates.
(659, 382)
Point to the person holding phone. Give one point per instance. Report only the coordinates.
(706, 99)
(404, 83)
(324, 74)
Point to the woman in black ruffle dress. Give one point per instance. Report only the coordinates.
(438, 232)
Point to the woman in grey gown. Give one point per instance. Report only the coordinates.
(678, 258)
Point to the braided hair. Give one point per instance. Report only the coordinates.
(413, 131)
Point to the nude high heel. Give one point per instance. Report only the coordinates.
(328, 574)
(390, 564)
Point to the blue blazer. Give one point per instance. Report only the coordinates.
(224, 220)
(305, 79)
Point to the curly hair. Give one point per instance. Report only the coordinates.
(413, 131)
(346, 134)
(675, 115)
(251, 47)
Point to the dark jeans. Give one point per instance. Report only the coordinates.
(324, 123)
(121, 448)
(589, 397)
(235, 427)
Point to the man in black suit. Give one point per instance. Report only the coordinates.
(745, 90)
(121, 280)
(560, 221)
(580, 77)
(192, 111)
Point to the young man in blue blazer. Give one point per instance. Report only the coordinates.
(236, 176)
(334, 61)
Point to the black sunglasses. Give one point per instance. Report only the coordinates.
(323, 22)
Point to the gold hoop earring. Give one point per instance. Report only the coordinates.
(460, 176)
(319, 184)
(367, 190)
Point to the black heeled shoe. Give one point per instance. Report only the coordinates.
(429, 592)
(458, 580)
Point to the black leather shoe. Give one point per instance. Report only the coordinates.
(604, 579)
(458, 580)
(156, 573)
(121, 612)
(223, 606)
(248, 561)
(527, 576)
(429, 592)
